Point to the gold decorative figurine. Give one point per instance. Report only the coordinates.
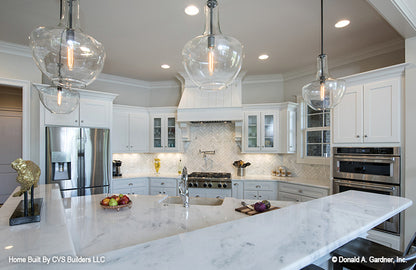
(28, 174)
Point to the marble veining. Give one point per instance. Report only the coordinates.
(152, 235)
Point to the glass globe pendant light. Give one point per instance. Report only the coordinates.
(325, 92)
(57, 99)
(67, 56)
(212, 60)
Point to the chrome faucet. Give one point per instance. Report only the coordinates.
(183, 187)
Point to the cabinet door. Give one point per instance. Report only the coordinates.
(250, 195)
(138, 132)
(269, 132)
(287, 127)
(347, 117)
(120, 132)
(95, 113)
(171, 133)
(157, 133)
(237, 190)
(267, 195)
(283, 196)
(382, 111)
(252, 132)
(69, 119)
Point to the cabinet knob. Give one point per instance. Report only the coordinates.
(197, 196)
(300, 191)
(235, 184)
(130, 184)
(365, 136)
(82, 121)
(259, 196)
(162, 183)
(127, 146)
(76, 121)
(358, 136)
(255, 196)
(160, 192)
(258, 186)
(218, 197)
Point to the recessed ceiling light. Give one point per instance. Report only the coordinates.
(8, 247)
(191, 10)
(165, 66)
(342, 23)
(263, 57)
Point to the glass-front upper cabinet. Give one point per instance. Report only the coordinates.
(164, 136)
(261, 132)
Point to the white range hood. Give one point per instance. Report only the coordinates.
(198, 105)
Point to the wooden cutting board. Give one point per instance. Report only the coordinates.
(248, 211)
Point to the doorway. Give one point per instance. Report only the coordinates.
(10, 137)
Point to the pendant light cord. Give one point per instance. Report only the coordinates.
(321, 56)
(211, 4)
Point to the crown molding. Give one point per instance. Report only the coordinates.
(380, 49)
(109, 78)
(15, 49)
(407, 11)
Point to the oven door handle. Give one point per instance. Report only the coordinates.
(373, 160)
(366, 185)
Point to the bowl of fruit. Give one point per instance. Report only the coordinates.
(116, 202)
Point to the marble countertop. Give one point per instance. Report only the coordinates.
(152, 235)
(322, 183)
(49, 236)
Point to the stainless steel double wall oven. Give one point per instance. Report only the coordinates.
(370, 169)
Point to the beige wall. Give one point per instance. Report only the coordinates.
(410, 134)
(262, 92)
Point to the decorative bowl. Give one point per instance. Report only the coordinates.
(117, 207)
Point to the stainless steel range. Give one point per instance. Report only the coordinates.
(209, 184)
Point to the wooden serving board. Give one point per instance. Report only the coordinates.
(248, 211)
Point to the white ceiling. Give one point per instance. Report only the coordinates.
(140, 35)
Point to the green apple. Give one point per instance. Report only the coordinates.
(112, 202)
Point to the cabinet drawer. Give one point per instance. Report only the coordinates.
(137, 190)
(250, 195)
(163, 182)
(130, 183)
(164, 191)
(260, 185)
(313, 192)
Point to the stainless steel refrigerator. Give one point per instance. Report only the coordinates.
(78, 160)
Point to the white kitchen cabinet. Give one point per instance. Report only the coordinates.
(130, 132)
(237, 189)
(94, 110)
(300, 193)
(287, 128)
(164, 133)
(261, 132)
(168, 186)
(131, 186)
(260, 190)
(269, 128)
(369, 113)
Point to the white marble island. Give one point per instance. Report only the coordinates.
(152, 235)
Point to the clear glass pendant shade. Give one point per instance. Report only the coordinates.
(212, 60)
(67, 56)
(58, 100)
(325, 92)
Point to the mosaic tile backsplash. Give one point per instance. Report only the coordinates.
(218, 137)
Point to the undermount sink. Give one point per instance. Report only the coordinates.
(194, 201)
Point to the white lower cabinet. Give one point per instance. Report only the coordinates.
(131, 186)
(237, 189)
(166, 186)
(300, 193)
(260, 190)
(209, 193)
